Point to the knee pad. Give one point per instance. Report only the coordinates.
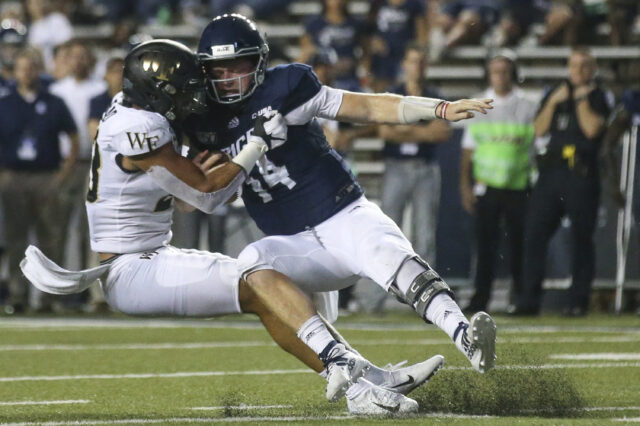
(423, 289)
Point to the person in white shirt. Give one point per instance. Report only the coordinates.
(48, 28)
(77, 90)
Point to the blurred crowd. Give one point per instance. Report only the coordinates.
(55, 86)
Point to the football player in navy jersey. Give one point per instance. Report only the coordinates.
(321, 230)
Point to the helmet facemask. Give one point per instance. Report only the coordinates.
(246, 84)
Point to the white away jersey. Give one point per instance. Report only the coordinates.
(127, 211)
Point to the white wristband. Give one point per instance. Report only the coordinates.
(251, 153)
(412, 109)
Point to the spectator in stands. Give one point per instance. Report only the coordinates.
(334, 29)
(494, 175)
(573, 115)
(32, 170)
(516, 19)
(61, 61)
(259, 9)
(48, 29)
(412, 172)
(77, 90)
(465, 21)
(396, 23)
(13, 37)
(621, 16)
(99, 104)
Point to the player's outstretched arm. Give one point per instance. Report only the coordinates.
(385, 108)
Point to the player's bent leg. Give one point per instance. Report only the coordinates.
(433, 300)
(280, 297)
(280, 332)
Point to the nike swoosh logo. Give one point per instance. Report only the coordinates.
(409, 381)
(390, 408)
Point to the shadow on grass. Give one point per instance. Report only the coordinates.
(523, 392)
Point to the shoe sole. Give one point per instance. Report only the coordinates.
(439, 359)
(483, 335)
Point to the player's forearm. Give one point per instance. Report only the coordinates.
(387, 108)
(590, 122)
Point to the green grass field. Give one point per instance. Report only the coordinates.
(550, 370)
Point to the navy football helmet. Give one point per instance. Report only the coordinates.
(233, 36)
(166, 77)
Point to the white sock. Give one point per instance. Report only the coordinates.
(444, 312)
(315, 334)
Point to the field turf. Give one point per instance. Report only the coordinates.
(77, 370)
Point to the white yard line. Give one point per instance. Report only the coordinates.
(604, 356)
(182, 420)
(628, 420)
(60, 402)
(150, 375)
(133, 346)
(231, 420)
(240, 407)
(245, 344)
(50, 324)
(276, 372)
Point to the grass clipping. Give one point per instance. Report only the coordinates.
(523, 392)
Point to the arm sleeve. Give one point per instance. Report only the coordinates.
(325, 104)
(204, 201)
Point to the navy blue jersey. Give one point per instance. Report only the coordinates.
(306, 181)
(426, 151)
(29, 131)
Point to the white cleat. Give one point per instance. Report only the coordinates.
(479, 342)
(405, 380)
(370, 400)
(344, 368)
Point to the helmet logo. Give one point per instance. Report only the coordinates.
(222, 50)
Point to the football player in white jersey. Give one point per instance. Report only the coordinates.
(136, 171)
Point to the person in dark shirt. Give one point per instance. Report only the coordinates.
(396, 24)
(99, 104)
(334, 29)
(32, 169)
(573, 115)
(412, 172)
